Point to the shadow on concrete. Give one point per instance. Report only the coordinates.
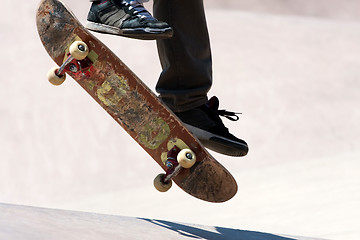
(220, 234)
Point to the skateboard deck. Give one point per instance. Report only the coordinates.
(130, 103)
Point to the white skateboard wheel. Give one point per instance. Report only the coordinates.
(186, 158)
(55, 79)
(160, 185)
(79, 50)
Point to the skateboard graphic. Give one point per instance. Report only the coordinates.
(132, 104)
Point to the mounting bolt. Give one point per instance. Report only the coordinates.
(169, 165)
(73, 68)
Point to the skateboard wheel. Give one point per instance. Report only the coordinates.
(160, 185)
(79, 50)
(54, 79)
(186, 158)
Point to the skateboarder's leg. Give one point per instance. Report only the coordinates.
(127, 18)
(186, 57)
(187, 75)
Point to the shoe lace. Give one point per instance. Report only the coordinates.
(136, 7)
(213, 104)
(233, 116)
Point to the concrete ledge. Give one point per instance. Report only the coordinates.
(32, 223)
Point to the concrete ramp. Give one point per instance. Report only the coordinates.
(31, 223)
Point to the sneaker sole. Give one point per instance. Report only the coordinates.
(137, 33)
(218, 143)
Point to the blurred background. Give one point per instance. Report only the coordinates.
(291, 67)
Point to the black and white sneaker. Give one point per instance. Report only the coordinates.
(126, 18)
(205, 123)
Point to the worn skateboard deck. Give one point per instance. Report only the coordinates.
(131, 103)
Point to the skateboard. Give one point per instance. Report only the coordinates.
(132, 104)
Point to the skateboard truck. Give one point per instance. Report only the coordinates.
(76, 61)
(177, 159)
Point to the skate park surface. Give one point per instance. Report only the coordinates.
(292, 70)
(29, 223)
